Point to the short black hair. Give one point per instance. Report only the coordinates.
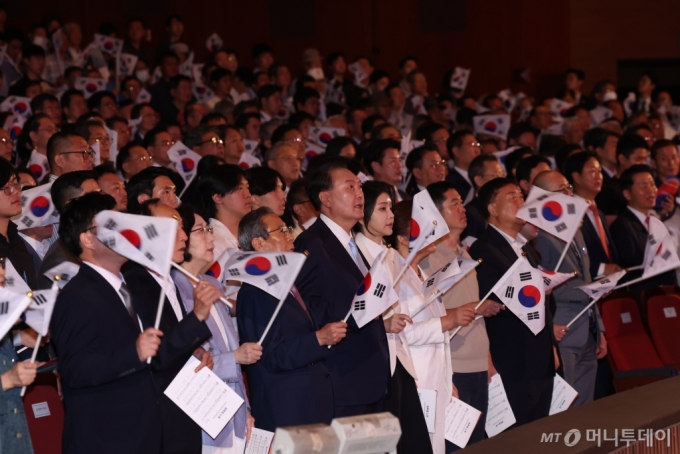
(303, 94)
(487, 194)
(477, 168)
(437, 191)
(406, 59)
(320, 180)
(626, 180)
(336, 144)
(263, 180)
(7, 170)
(376, 151)
(297, 118)
(628, 143)
(143, 183)
(124, 154)
(261, 48)
(377, 131)
(68, 95)
(576, 162)
(280, 132)
(171, 17)
(83, 128)
(38, 102)
(427, 129)
(330, 59)
(222, 180)
(526, 165)
(456, 139)
(267, 91)
(58, 143)
(563, 153)
(78, 217)
(513, 158)
(414, 160)
(662, 143)
(176, 80)
(68, 187)
(369, 123)
(32, 50)
(579, 73)
(219, 73)
(96, 99)
(150, 137)
(597, 138)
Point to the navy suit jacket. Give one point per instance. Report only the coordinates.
(476, 224)
(461, 184)
(359, 364)
(110, 402)
(594, 245)
(180, 338)
(290, 385)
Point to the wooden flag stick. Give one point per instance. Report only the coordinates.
(33, 356)
(271, 320)
(159, 311)
(586, 308)
(196, 280)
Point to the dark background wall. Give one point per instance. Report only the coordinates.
(498, 39)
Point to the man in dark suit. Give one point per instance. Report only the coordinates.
(291, 384)
(109, 397)
(382, 159)
(359, 365)
(426, 167)
(483, 168)
(463, 148)
(603, 143)
(525, 361)
(584, 173)
(183, 334)
(630, 231)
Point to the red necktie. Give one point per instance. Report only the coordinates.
(600, 230)
(297, 296)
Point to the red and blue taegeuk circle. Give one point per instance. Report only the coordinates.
(36, 170)
(40, 206)
(215, 270)
(490, 126)
(365, 285)
(257, 266)
(132, 237)
(324, 138)
(20, 107)
(529, 296)
(415, 230)
(188, 164)
(551, 211)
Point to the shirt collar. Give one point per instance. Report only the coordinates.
(609, 172)
(308, 223)
(373, 248)
(338, 231)
(640, 215)
(462, 173)
(115, 281)
(519, 240)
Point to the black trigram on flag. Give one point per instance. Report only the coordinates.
(666, 254)
(149, 256)
(9, 281)
(526, 276)
(509, 292)
(109, 242)
(546, 281)
(652, 241)
(181, 152)
(360, 305)
(543, 197)
(234, 272)
(430, 282)
(242, 256)
(24, 199)
(571, 208)
(560, 227)
(4, 307)
(532, 316)
(271, 280)
(443, 270)
(605, 281)
(379, 290)
(151, 232)
(110, 224)
(281, 260)
(533, 213)
(39, 299)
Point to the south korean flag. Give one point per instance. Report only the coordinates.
(559, 109)
(375, 294)
(39, 313)
(128, 62)
(111, 46)
(12, 305)
(214, 43)
(62, 273)
(427, 223)
(185, 160)
(18, 105)
(445, 277)
(149, 241)
(248, 160)
(660, 253)
(272, 272)
(597, 289)
(492, 125)
(37, 209)
(324, 134)
(556, 213)
(459, 78)
(89, 85)
(522, 290)
(509, 100)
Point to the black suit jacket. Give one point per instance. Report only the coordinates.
(110, 402)
(476, 224)
(610, 199)
(56, 254)
(525, 361)
(359, 364)
(290, 385)
(180, 338)
(461, 184)
(630, 237)
(594, 245)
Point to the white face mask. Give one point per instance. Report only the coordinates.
(142, 75)
(609, 96)
(40, 41)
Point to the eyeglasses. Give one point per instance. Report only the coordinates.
(214, 140)
(568, 189)
(94, 227)
(296, 139)
(434, 165)
(204, 230)
(50, 130)
(285, 230)
(141, 159)
(11, 188)
(166, 143)
(103, 139)
(6, 141)
(475, 144)
(86, 154)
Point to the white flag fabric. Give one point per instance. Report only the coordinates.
(39, 312)
(128, 62)
(12, 305)
(113, 143)
(492, 125)
(509, 100)
(418, 105)
(37, 209)
(598, 288)
(556, 213)
(38, 165)
(147, 240)
(449, 275)
(358, 72)
(111, 46)
(143, 97)
(96, 148)
(459, 78)
(250, 145)
(185, 160)
(248, 160)
(18, 105)
(15, 124)
(502, 154)
(202, 93)
(671, 114)
(552, 279)
(375, 294)
(480, 109)
(214, 42)
(217, 269)
(187, 68)
(89, 85)
(660, 253)
(522, 291)
(14, 281)
(324, 134)
(559, 109)
(197, 72)
(599, 114)
(426, 220)
(630, 103)
(272, 272)
(65, 270)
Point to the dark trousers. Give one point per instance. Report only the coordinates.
(403, 402)
(473, 389)
(341, 411)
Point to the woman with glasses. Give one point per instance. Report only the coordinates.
(267, 189)
(145, 118)
(224, 346)
(402, 396)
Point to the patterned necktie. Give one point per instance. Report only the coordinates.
(600, 230)
(296, 293)
(356, 256)
(125, 293)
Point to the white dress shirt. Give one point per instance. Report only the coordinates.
(471, 192)
(170, 293)
(115, 281)
(339, 233)
(40, 247)
(641, 216)
(516, 243)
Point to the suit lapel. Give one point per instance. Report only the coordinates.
(336, 250)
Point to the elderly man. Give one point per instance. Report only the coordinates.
(68, 152)
(359, 365)
(283, 157)
(583, 343)
(290, 385)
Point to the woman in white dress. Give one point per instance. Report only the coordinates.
(428, 335)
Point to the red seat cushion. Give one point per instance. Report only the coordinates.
(627, 340)
(45, 430)
(663, 316)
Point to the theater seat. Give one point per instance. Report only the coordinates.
(652, 292)
(632, 357)
(663, 316)
(42, 398)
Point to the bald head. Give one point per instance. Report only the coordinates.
(551, 181)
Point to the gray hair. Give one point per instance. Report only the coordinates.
(273, 152)
(252, 226)
(194, 137)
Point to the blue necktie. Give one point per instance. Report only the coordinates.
(357, 257)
